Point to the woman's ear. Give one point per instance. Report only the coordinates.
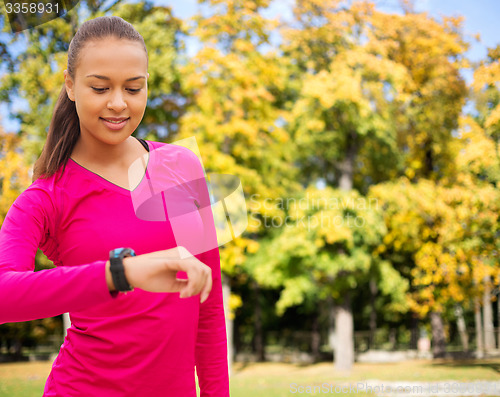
(68, 82)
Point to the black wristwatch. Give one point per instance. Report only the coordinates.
(117, 270)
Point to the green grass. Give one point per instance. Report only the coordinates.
(274, 380)
(23, 379)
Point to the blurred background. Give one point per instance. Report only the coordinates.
(366, 136)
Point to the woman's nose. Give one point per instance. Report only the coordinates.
(117, 101)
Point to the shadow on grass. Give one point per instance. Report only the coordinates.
(469, 364)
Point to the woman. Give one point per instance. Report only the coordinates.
(132, 333)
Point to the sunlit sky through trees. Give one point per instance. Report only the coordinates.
(480, 18)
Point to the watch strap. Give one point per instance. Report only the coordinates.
(118, 270)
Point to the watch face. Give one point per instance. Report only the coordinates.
(115, 253)
(123, 252)
(128, 252)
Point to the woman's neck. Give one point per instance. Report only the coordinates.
(102, 155)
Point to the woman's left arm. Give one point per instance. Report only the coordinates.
(211, 343)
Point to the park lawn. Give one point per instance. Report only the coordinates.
(277, 380)
(25, 379)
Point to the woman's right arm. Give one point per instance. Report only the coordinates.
(27, 295)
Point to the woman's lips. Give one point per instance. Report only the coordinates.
(114, 125)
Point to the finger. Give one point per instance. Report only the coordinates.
(192, 279)
(206, 289)
(193, 286)
(199, 277)
(177, 285)
(187, 291)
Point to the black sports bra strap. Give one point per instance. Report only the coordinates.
(143, 143)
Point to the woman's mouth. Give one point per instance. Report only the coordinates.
(115, 124)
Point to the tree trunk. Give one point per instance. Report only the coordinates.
(438, 337)
(415, 334)
(331, 323)
(346, 166)
(258, 337)
(489, 335)
(66, 323)
(429, 159)
(498, 320)
(414, 331)
(462, 329)
(393, 340)
(226, 294)
(344, 327)
(479, 328)
(344, 349)
(315, 338)
(373, 313)
(18, 349)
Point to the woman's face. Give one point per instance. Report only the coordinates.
(109, 89)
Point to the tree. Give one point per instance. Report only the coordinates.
(450, 235)
(432, 52)
(486, 97)
(480, 159)
(371, 104)
(325, 249)
(14, 178)
(233, 110)
(14, 175)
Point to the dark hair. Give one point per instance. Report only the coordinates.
(64, 128)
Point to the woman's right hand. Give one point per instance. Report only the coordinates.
(157, 272)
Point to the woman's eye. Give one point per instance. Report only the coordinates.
(99, 89)
(131, 90)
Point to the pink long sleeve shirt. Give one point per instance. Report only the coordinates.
(118, 345)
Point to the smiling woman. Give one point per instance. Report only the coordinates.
(140, 324)
(108, 98)
(110, 103)
(81, 115)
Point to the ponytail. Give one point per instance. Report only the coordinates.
(64, 131)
